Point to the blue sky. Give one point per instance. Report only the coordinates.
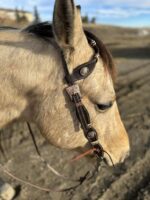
(133, 13)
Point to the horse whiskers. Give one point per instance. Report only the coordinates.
(109, 158)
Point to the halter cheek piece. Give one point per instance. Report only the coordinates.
(73, 90)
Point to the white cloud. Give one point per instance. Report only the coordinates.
(133, 3)
(122, 12)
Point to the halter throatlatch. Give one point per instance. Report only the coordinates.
(82, 72)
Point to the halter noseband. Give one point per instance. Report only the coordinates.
(79, 73)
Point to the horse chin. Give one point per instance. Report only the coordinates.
(111, 160)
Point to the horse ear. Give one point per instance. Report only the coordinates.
(67, 23)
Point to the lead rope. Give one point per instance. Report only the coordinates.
(7, 172)
(76, 158)
(80, 181)
(46, 163)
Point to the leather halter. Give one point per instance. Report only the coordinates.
(73, 90)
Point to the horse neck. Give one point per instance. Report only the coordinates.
(29, 68)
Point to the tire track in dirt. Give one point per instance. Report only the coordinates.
(129, 184)
(133, 81)
(132, 87)
(138, 67)
(133, 76)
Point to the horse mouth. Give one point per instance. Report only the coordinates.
(111, 161)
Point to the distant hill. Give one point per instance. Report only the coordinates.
(9, 16)
(117, 36)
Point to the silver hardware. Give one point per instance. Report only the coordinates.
(74, 89)
(84, 71)
(94, 143)
(93, 43)
(97, 55)
(92, 136)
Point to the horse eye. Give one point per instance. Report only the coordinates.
(104, 107)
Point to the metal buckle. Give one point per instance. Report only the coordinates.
(74, 89)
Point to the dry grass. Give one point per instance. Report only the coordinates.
(9, 22)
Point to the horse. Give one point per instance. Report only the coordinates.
(33, 88)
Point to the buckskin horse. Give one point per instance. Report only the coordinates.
(60, 77)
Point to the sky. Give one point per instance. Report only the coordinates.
(130, 13)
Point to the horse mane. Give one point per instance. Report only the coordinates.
(44, 30)
(104, 54)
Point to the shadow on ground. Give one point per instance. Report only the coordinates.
(130, 53)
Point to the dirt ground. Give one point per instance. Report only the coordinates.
(128, 181)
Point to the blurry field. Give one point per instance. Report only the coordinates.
(129, 181)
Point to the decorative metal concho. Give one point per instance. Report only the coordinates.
(84, 70)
